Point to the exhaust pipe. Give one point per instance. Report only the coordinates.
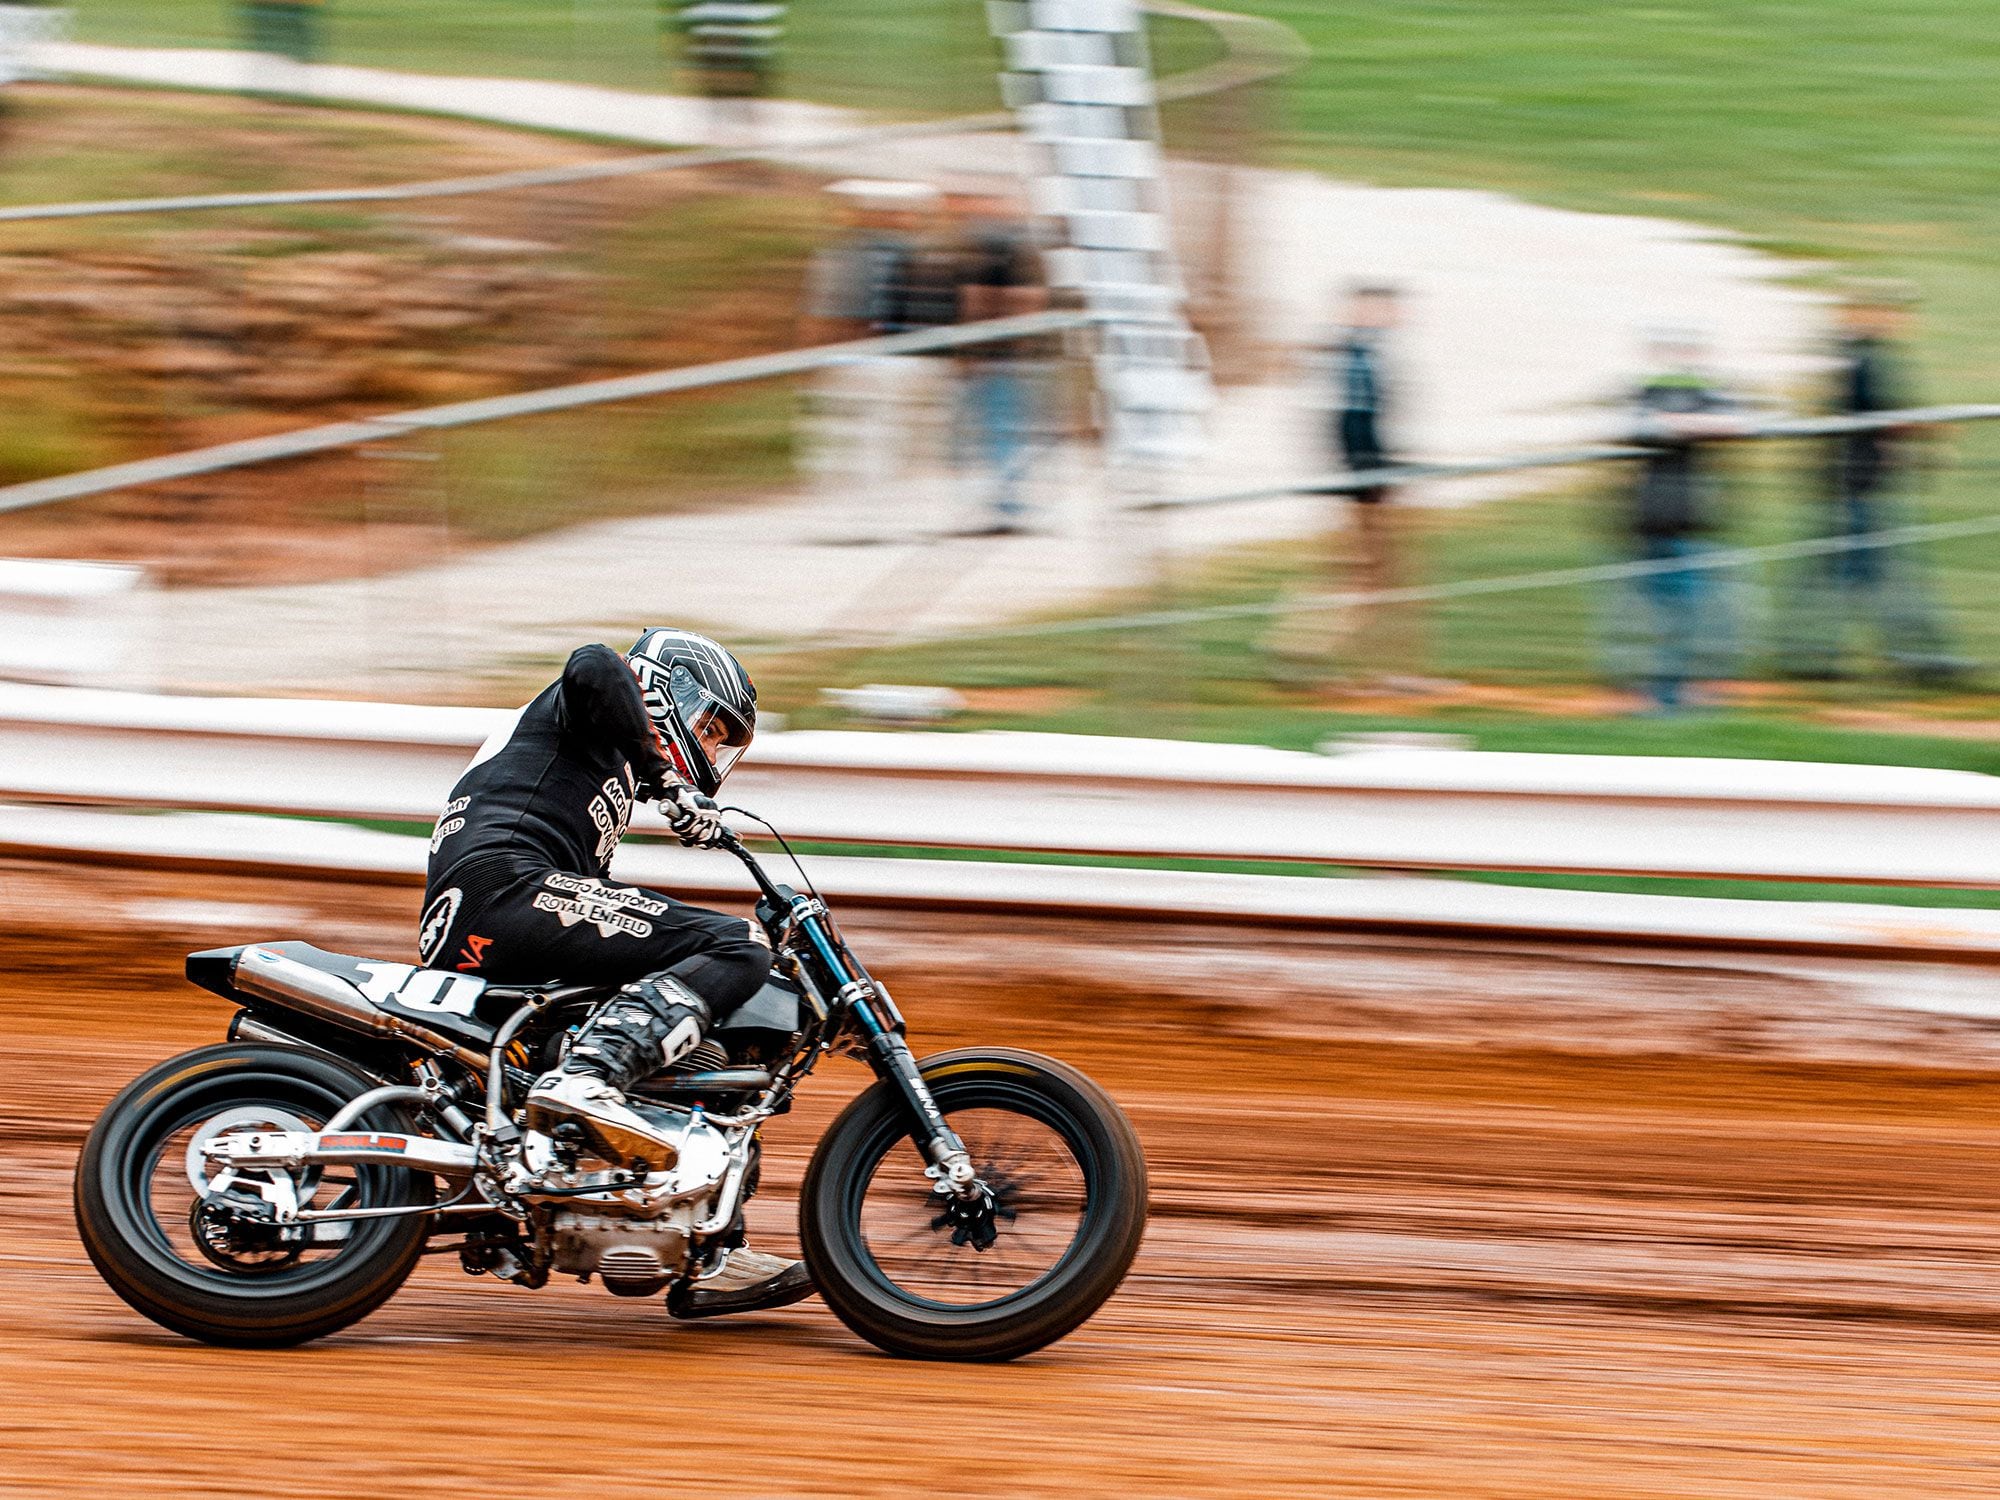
(326, 997)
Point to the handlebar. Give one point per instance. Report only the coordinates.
(735, 846)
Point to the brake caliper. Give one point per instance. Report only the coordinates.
(971, 1218)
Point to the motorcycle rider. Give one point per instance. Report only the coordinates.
(517, 893)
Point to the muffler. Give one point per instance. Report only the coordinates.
(328, 997)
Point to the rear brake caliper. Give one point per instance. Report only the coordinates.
(278, 1194)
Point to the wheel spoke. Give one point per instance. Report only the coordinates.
(1038, 1199)
(996, 1148)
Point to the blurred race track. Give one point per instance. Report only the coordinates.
(1473, 1220)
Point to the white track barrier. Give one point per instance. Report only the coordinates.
(289, 849)
(1390, 809)
(1002, 791)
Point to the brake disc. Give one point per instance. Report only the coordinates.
(252, 1116)
(224, 1219)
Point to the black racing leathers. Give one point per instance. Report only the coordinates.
(517, 891)
(557, 785)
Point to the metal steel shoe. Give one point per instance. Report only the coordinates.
(750, 1282)
(612, 1125)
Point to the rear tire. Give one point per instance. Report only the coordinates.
(855, 1178)
(255, 1305)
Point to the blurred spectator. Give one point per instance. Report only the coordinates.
(1672, 511)
(730, 50)
(1859, 492)
(1360, 387)
(867, 282)
(1000, 386)
(284, 28)
(1355, 390)
(882, 277)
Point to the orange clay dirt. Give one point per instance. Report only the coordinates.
(1458, 1220)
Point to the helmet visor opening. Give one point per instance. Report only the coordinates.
(722, 733)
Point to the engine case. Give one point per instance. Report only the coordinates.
(632, 1257)
(634, 1252)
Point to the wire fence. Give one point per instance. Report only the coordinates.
(1542, 588)
(1350, 482)
(1547, 596)
(389, 427)
(1709, 560)
(1539, 588)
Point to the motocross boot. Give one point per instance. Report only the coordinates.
(647, 1026)
(750, 1282)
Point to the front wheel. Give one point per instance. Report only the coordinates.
(168, 1239)
(919, 1274)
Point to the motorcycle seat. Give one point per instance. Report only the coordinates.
(346, 965)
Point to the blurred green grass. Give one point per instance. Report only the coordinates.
(515, 479)
(913, 57)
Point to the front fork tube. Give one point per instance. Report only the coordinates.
(879, 1022)
(933, 1137)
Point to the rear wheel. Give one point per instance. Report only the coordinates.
(919, 1273)
(202, 1258)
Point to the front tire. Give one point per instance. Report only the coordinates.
(142, 1221)
(1069, 1183)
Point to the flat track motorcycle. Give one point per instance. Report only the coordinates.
(977, 1205)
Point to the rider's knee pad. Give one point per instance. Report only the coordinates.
(668, 996)
(727, 974)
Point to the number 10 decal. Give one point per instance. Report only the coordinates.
(431, 990)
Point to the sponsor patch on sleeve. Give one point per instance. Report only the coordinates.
(437, 921)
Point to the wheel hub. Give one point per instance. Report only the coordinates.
(233, 1220)
(973, 1220)
(247, 1117)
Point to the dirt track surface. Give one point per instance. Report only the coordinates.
(1455, 1222)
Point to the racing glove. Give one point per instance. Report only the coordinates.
(692, 817)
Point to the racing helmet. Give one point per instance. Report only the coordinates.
(699, 698)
